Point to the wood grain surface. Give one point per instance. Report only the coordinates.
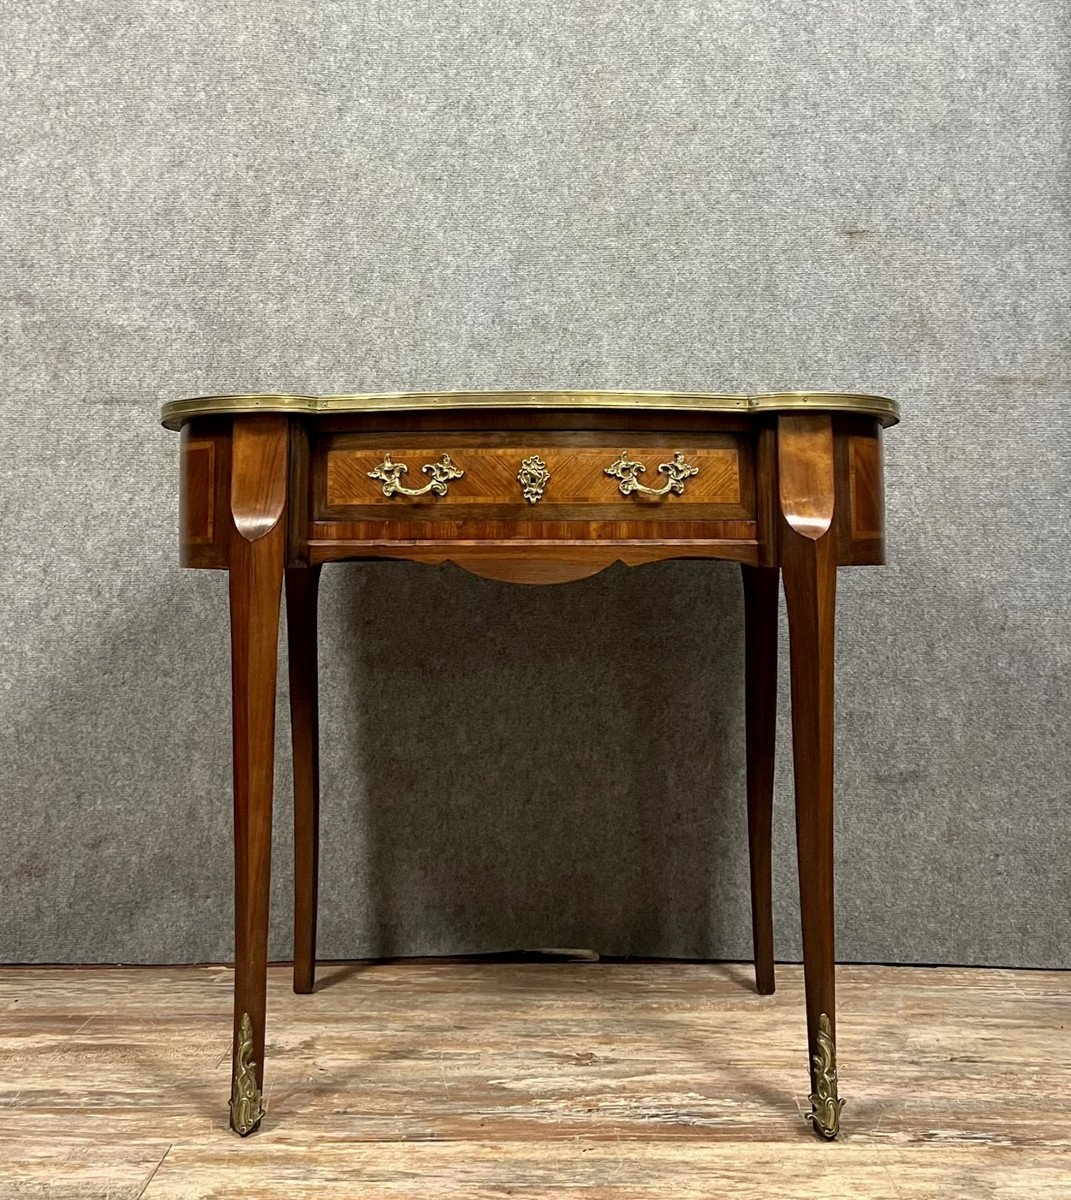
(807, 476)
(257, 558)
(473, 1079)
(762, 589)
(302, 592)
(197, 476)
(576, 477)
(867, 486)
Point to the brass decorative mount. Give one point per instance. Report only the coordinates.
(825, 1104)
(533, 478)
(246, 1107)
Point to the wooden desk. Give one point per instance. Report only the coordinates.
(531, 487)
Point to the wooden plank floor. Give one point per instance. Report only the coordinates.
(461, 1079)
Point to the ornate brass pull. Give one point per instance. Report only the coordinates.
(626, 469)
(391, 473)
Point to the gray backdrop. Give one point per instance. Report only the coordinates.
(385, 195)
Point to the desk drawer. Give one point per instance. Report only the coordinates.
(542, 477)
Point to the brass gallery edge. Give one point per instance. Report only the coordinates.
(175, 412)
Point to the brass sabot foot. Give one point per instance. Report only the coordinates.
(246, 1110)
(244, 1130)
(825, 1104)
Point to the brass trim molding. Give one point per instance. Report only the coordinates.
(825, 1104)
(246, 1109)
(175, 412)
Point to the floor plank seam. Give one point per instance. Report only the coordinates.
(148, 1181)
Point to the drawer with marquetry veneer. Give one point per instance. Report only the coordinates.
(411, 478)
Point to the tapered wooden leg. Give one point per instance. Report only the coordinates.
(760, 691)
(810, 593)
(302, 589)
(808, 559)
(258, 545)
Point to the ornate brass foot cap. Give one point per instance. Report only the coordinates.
(825, 1105)
(246, 1109)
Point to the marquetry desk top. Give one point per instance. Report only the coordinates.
(531, 487)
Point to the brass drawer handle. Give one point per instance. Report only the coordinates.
(626, 469)
(391, 473)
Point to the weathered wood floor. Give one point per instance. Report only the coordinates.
(455, 1079)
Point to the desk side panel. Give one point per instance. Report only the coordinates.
(204, 482)
(859, 516)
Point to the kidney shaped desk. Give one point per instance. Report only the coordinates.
(531, 487)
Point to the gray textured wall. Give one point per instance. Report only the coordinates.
(356, 196)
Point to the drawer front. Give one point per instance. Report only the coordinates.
(541, 477)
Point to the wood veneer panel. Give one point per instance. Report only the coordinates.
(576, 477)
(198, 510)
(867, 487)
(549, 562)
(597, 544)
(806, 480)
(204, 483)
(578, 489)
(518, 532)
